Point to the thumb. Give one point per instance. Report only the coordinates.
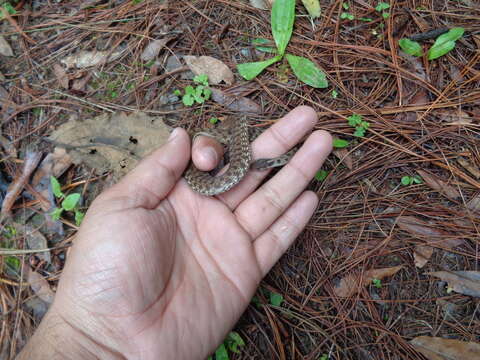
(156, 175)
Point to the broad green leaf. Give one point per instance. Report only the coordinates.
(276, 299)
(445, 43)
(234, 340)
(79, 217)
(410, 47)
(13, 263)
(221, 353)
(55, 214)
(56, 188)
(406, 180)
(346, 6)
(201, 79)
(340, 143)
(313, 8)
(7, 7)
(188, 100)
(382, 6)
(70, 201)
(307, 72)
(345, 15)
(249, 70)
(321, 175)
(359, 132)
(354, 120)
(283, 16)
(213, 120)
(260, 43)
(417, 179)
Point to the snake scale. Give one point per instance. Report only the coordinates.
(236, 138)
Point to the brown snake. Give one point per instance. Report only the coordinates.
(236, 138)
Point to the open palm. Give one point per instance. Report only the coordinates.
(162, 272)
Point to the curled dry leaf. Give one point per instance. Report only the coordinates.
(5, 48)
(84, 59)
(472, 169)
(463, 282)
(353, 283)
(421, 255)
(436, 348)
(40, 286)
(215, 69)
(152, 50)
(61, 75)
(235, 103)
(439, 185)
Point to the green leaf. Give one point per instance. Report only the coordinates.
(79, 217)
(382, 6)
(345, 15)
(445, 43)
(410, 47)
(366, 19)
(340, 143)
(56, 188)
(406, 180)
(55, 214)
(313, 8)
(307, 72)
(213, 120)
(385, 15)
(321, 175)
(207, 93)
(177, 92)
(8, 8)
(377, 283)
(221, 353)
(417, 179)
(13, 263)
(346, 6)
(250, 70)
(334, 94)
(282, 18)
(201, 79)
(359, 131)
(70, 201)
(276, 299)
(188, 100)
(354, 120)
(234, 340)
(189, 90)
(259, 45)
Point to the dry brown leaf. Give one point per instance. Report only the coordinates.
(455, 117)
(344, 156)
(421, 255)
(436, 348)
(472, 169)
(152, 50)
(84, 59)
(463, 282)
(439, 185)
(353, 283)
(434, 236)
(40, 286)
(474, 204)
(61, 75)
(111, 142)
(261, 4)
(235, 103)
(5, 48)
(36, 241)
(215, 69)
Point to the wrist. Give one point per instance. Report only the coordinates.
(57, 338)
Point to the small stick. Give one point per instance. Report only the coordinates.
(431, 34)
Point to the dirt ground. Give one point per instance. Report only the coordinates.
(357, 284)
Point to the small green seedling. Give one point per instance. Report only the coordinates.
(69, 202)
(7, 8)
(282, 19)
(231, 343)
(276, 299)
(381, 6)
(334, 94)
(213, 120)
(198, 94)
(346, 15)
(445, 43)
(410, 180)
(323, 357)
(340, 143)
(377, 283)
(321, 175)
(410, 47)
(359, 124)
(346, 6)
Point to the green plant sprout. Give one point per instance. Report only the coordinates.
(7, 8)
(321, 175)
(340, 143)
(410, 180)
(276, 299)
(231, 343)
(377, 283)
(198, 94)
(282, 19)
(359, 124)
(348, 16)
(381, 6)
(69, 202)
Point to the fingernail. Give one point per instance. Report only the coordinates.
(173, 134)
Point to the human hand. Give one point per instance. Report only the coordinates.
(158, 271)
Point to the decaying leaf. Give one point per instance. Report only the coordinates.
(5, 48)
(344, 156)
(235, 103)
(40, 286)
(455, 117)
(61, 75)
(421, 255)
(261, 4)
(215, 69)
(436, 348)
(152, 50)
(313, 8)
(353, 283)
(111, 142)
(463, 282)
(439, 185)
(472, 169)
(474, 204)
(84, 59)
(433, 236)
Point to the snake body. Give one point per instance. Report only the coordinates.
(236, 138)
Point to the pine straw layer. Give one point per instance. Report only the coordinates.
(355, 228)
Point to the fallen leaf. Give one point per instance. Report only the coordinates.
(455, 117)
(344, 156)
(7, 105)
(40, 286)
(434, 236)
(261, 4)
(36, 241)
(84, 59)
(235, 103)
(439, 185)
(421, 255)
(215, 69)
(472, 169)
(313, 8)
(61, 75)
(152, 50)
(111, 142)
(353, 283)
(436, 348)
(5, 48)
(463, 282)
(474, 203)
